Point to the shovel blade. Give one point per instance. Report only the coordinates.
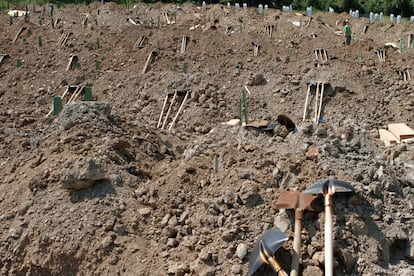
(329, 186)
(265, 247)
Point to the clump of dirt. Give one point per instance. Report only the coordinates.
(112, 186)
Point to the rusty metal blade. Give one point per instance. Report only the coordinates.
(298, 201)
(287, 200)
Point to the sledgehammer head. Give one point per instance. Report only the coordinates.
(330, 187)
(298, 201)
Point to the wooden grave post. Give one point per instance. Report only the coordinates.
(184, 44)
(150, 58)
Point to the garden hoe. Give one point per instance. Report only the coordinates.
(299, 202)
(264, 249)
(328, 188)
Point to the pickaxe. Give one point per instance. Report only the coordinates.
(264, 249)
(299, 202)
(328, 188)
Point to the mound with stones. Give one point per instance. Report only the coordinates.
(102, 189)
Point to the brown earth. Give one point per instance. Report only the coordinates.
(190, 200)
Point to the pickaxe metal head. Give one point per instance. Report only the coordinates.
(265, 247)
(329, 187)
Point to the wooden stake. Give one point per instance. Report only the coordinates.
(3, 57)
(316, 101)
(305, 109)
(184, 44)
(162, 111)
(179, 110)
(320, 103)
(18, 33)
(169, 110)
(72, 60)
(325, 55)
(149, 60)
(140, 42)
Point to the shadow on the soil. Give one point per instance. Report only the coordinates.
(100, 189)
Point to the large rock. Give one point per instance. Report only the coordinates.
(82, 174)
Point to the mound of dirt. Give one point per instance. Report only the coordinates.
(153, 177)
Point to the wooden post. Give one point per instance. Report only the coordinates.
(305, 109)
(140, 42)
(162, 110)
(184, 44)
(18, 33)
(316, 101)
(325, 56)
(320, 103)
(3, 57)
(73, 60)
(147, 63)
(169, 110)
(179, 110)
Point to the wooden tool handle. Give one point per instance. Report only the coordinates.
(276, 267)
(296, 248)
(328, 236)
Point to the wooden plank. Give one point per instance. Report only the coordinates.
(387, 137)
(401, 131)
(258, 123)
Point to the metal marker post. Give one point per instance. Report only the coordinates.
(243, 107)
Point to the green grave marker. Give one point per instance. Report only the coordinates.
(88, 94)
(57, 105)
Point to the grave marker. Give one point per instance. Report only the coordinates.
(150, 58)
(381, 54)
(18, 33)
(140, 43)
(321, 57)
(57, 105)
(316, 89)
(184, 42)
(73, 63)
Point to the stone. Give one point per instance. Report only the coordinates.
(204, 255)
(312, 152)
(171, 242)
(15, 232)
(313, 270)
(241, 251)
(82, 174)
(257, 79)
(178, 269)
(236, 269)
(282, 221)
(227, 235)
(146, 211)
(347, 258)
(281, 131)
(106, 242)
(319, 257)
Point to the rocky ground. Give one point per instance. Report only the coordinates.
(100, 189)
